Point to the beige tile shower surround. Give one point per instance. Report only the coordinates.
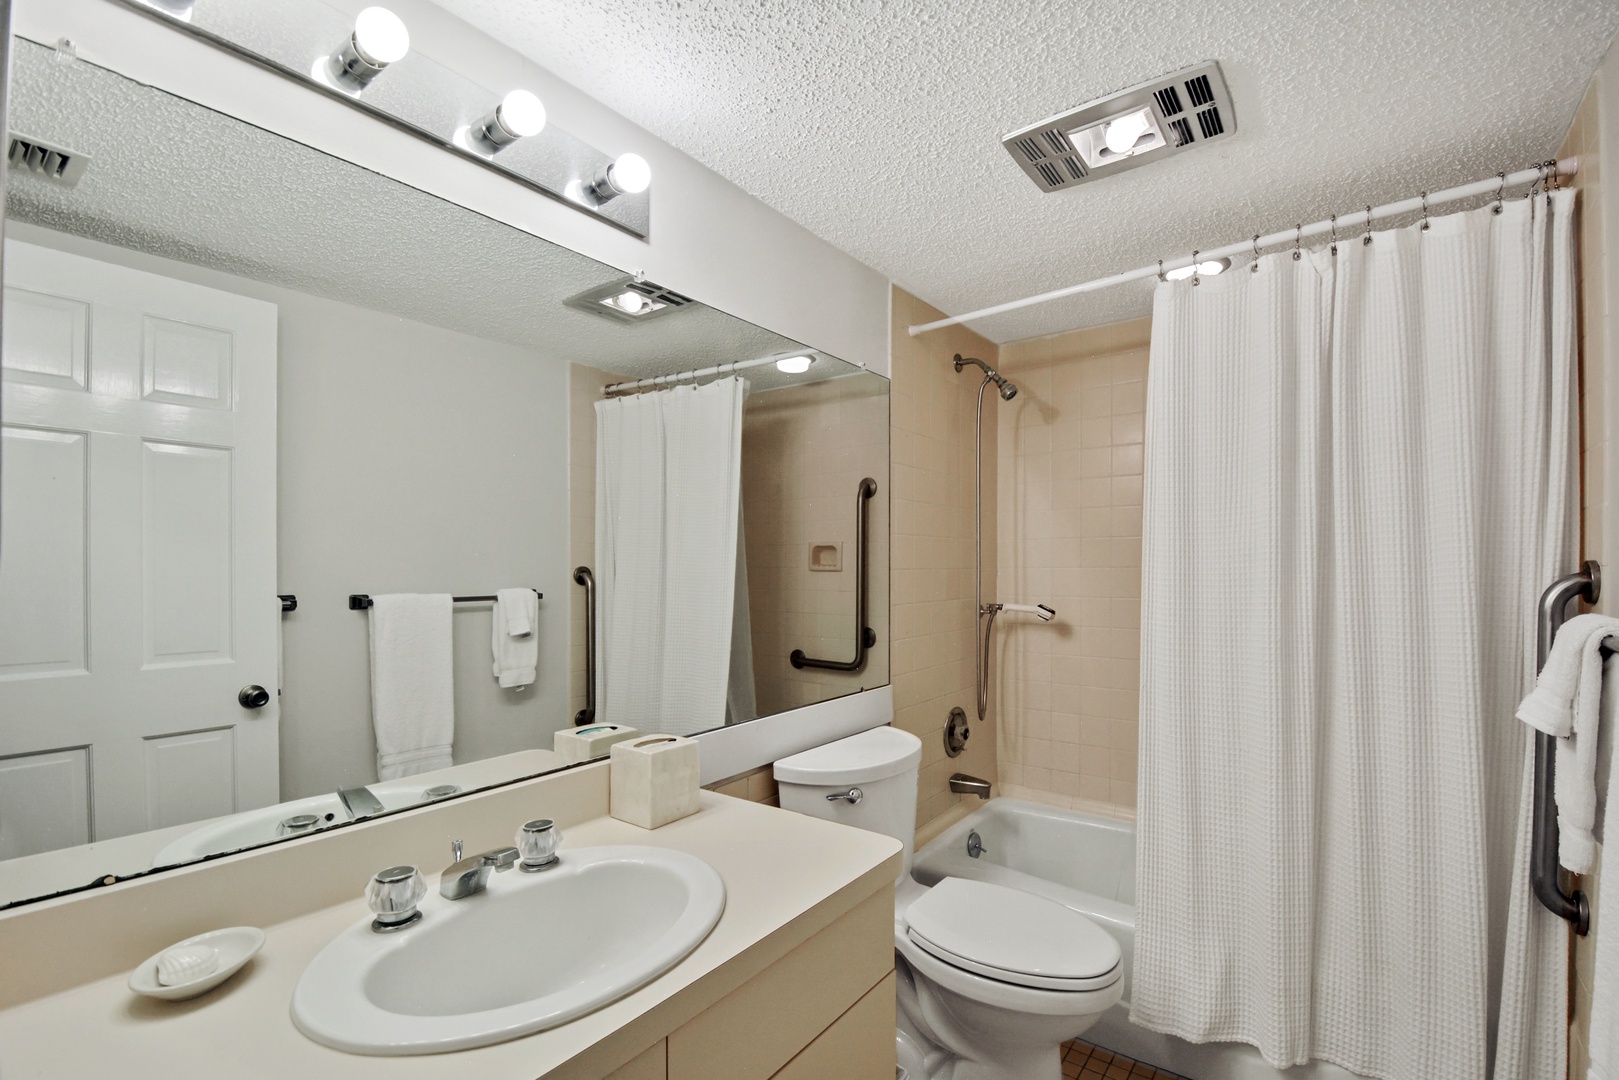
(931, 432)
(1070, 536)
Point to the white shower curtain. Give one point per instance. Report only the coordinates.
(668, 492)
(1360, 475)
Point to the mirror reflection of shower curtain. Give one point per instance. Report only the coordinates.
(741, 701)
(668, 498)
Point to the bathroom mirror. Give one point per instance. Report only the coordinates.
(250, 388)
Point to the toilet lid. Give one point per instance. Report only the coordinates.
(1013, 936)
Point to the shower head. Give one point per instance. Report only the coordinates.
(1007, 387)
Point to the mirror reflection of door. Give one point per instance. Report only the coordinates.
(138, 524)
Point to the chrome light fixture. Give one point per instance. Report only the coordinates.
(379, 39)
(627, 174)
(519, 115)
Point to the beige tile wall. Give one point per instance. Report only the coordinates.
(1585, 139)
(931, 431)
(1070, 536)
(805, 450)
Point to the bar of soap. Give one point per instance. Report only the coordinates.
(186, 963)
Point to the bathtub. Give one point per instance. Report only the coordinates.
(1088, 863)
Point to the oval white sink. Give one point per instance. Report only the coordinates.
(532, 952)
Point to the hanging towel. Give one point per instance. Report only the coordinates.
(1604, 1046)
(1566, 703)
(514, 637)
(412, 683)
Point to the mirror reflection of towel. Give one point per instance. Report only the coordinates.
(412, 683)
(514, 637)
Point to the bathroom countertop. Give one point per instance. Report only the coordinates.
(786, 877)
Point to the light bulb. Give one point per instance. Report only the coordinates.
(630, 174)
(522, 114)
(794, 365)
(630, 302)
(1121, 134)
(1202, 269)
(380, 37)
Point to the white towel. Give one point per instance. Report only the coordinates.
(1566, 702)
(514, 636)
(412, 683)
(1604, 1038)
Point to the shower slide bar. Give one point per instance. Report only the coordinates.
(361, 601)
(1544, 874)
(1342, 227)
(583, 576)
(864, 636)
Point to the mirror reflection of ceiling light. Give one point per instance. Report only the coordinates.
(628, 174)
(379, 39)
(794, 365)
(1204, 269)
(519, 115)
(631, 302)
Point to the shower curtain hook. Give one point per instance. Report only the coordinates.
(1424, 211)
(1298, 237)
(1367, 239)
(1500, 191)
(1195, 280)
(1253, 267)
(1555, 176)
(1333, 226)
(1161, 276)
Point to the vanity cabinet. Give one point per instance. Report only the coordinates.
(824, 1010)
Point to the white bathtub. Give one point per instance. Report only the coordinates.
(1088, 863)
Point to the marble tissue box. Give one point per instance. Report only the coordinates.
(653, 780)
(590, 742)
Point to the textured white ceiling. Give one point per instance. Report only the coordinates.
(171, 178)
(877, 123)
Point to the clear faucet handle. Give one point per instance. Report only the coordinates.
(393, 895)
(537, 842)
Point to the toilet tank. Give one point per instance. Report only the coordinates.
(881, 763)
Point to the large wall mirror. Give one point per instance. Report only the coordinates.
(237, 368)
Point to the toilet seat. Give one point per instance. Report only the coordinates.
(1011, 936)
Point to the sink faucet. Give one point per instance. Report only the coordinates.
(359, 802)
(470, 875)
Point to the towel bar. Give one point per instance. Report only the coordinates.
(361, 601)
(1545, 876)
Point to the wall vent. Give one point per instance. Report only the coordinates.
(53, 163)
(1184, 111)
(630, 301)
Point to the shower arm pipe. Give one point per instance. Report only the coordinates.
(1545, 876)
(1344, 224)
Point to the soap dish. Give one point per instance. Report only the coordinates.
(235, 945)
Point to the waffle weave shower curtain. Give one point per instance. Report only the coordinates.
(668, 506)
(1360, 475)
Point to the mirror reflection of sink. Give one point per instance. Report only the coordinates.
(531, 952)
(253, 827)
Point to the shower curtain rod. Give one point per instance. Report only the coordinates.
(700, 373)
(1345, 226)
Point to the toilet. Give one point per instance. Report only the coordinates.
(992, 980)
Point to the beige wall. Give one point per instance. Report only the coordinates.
(805, 449)
(1070, 537)
(1593, 138)
(932, 409)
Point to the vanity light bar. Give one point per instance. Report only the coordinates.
(372, 67)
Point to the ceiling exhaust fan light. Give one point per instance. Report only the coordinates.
(1123, 133)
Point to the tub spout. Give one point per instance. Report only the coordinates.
(962, 784)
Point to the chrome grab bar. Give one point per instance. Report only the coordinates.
(864, 636)
(583, 576)
(1545, 876)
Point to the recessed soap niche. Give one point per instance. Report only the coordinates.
(826, 558)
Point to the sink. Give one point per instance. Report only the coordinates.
(531, 952)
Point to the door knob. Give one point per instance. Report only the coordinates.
(253, 697)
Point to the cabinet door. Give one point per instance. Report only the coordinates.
(858, 1046)
(651, 1064)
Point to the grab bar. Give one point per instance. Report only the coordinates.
(583, 576)
(1544, 874)
(864, 636)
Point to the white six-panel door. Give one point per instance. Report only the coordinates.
(137, 551)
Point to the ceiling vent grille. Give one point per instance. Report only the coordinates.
(629, 301)
(52, 163)
(1184, 110)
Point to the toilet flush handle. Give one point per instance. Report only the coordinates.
(852, 796)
